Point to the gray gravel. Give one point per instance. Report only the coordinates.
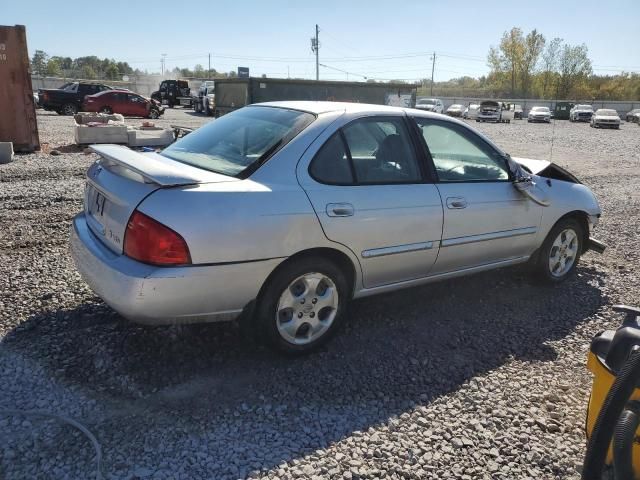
(476, 378)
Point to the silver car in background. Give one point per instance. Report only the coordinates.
(539, 114)
(286, 211)
(605, 118)
(430, 105)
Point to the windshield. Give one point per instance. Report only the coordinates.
(607, 112)
(456, 107)
(426, 101)
(237, 143)
(584, 107)
(540, 109)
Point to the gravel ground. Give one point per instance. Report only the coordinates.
(476, 378)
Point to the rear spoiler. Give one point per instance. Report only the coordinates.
(156, 168)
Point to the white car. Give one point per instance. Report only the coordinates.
(430, 105)
(539, 114)
(455, 110)
(471, 111)
(581, 113)
(605, 118)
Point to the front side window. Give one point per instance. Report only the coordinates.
(238, 143)
(459, 156)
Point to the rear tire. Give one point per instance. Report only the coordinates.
(560, 252)
(69, 109)
(302, 305)
(106, 110)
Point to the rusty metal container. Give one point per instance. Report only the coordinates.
(17, 108)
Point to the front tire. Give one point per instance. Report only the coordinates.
(560, 252)
(302, 305)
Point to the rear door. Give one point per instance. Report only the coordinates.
(371, 193)
(486, 220)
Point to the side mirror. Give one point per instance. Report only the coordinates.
(528, 187)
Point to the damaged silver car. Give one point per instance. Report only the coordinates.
(286, 211)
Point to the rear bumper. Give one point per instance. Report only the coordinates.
(165, 295)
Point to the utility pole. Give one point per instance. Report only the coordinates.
(162, 61)
(433, 67)
(315, 47)
(209, 71)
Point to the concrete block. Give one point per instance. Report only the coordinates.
(6, 152)
(104, 133)
(150, 137)
(84, 118)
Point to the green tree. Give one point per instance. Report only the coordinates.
(112, 72)
(574, 67)
(533, 47)
(53, 67)
(88, 72)
(39, 62)
(550, 63)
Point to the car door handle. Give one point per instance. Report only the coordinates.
(340, 210)
(456, 202)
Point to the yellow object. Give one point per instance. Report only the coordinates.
(603, 379)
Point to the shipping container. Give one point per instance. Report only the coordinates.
(17, 107)
(234, 93)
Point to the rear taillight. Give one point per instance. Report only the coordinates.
(148, 241)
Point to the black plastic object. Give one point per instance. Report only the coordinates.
(623, 438)
(619, 352)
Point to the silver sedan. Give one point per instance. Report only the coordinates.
(286, 211)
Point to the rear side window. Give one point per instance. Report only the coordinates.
(331, 164)
(368, 151)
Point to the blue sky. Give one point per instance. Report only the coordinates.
(272, 37)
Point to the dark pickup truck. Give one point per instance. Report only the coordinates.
(68, 99)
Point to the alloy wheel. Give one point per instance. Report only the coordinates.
(307, 308)
(563, 252)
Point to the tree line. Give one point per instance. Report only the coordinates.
(90, 67)
(530, 66)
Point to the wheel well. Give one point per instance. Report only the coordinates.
(583, 219)
(342, 261)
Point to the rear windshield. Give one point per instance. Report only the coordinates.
(426, 101)
(239, 142)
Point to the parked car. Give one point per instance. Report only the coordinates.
(124, 102)
(517, 111)
(633, 116)
(257, 212)
(430, 105)
(172, 93)
(581, 113)
(561, 110)
(539, 114)
(455, 110)
(494, 111)
(605, 118)
(205, 100)
(471, 111)
(68, 99)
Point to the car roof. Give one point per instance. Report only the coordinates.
(325, 107)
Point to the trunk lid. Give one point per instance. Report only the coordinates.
(122, 178)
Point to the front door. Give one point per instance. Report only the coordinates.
(137, 105)
(486, 220)
(371, 194)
